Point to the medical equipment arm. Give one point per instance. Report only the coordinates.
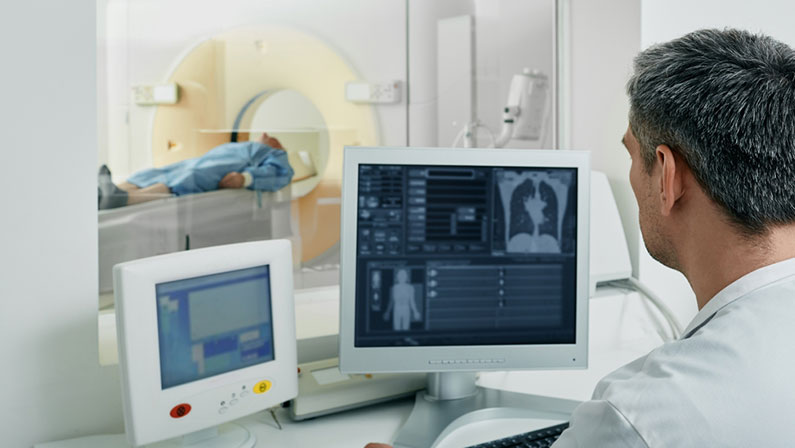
(523, 115)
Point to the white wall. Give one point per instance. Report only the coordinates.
(663, 20)
(422, 71)
(604, 37)
(50, 379)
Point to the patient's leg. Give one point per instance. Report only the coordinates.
(108, 194)
(136, 195)
(126, 186)
(114, 196)
(111, 195)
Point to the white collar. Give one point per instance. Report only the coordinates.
(739, 288)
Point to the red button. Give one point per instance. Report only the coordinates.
(180, 410)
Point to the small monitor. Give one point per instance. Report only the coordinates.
(463, 260)
(205, 337)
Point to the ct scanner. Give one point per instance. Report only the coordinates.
(233, 86)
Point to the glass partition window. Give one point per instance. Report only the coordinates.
(230, 126)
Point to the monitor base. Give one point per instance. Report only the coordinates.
(452, 401)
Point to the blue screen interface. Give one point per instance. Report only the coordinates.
(213, 324)
(465, 255)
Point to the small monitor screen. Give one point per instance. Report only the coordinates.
(465, 255)
(213, 324)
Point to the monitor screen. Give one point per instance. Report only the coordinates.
(465, 255)
(213, 324)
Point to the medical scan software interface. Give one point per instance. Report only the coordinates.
(213, 324)
(465, 255)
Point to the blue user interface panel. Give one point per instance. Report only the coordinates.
(213, 324)
(465, 255)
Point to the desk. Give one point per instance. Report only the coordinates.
(621, 329)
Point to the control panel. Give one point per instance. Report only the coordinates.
(227, 399)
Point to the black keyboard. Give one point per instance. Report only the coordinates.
(540, 438)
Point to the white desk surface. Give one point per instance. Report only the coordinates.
(621, 330)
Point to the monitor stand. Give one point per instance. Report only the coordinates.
(452, 400)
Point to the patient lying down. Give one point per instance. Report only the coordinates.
(260, 165)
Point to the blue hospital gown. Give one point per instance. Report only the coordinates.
(268, 168)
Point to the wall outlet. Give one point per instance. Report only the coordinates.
(363, 92)
(152, 95)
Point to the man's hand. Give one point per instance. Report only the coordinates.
(232, 180)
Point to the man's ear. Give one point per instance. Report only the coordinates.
(671, 186)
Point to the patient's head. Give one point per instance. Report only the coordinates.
(723, 100)
(270, 141)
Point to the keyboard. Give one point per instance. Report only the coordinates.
(540, 438)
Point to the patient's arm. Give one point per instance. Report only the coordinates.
(273, 174)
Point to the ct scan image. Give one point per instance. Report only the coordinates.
(537, 211)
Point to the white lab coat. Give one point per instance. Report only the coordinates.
(728, 382)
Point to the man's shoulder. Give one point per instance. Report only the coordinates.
(747, 337)
(739, 361)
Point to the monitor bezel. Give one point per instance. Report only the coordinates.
(146, 403)
(466, 357)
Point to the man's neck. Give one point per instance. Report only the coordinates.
(722, 255)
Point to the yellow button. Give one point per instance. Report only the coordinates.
(262, 387)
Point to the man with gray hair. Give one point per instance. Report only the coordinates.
(712, 141)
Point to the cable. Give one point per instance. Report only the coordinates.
(634, 284)
(664, 329)
(478, 124)
(272, 410)
(472, 128)
(659, 304)
(458, 137)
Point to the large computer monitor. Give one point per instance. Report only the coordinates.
(205, 337)
(463, 260)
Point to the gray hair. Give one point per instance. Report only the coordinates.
(725, 101)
